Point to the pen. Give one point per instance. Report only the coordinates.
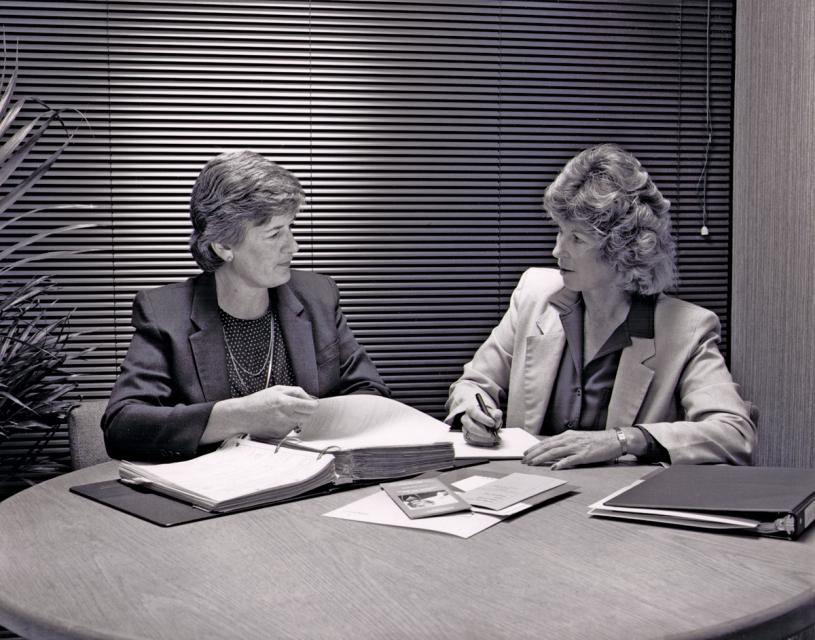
(483, 406)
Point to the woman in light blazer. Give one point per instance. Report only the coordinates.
(594, 356)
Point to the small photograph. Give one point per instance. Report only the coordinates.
(427, 499)
(424, 497)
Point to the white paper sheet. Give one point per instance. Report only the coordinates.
(473, 482)
(378, 508)
(514, 441)
(364, 420)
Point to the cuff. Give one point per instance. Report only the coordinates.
(654, 452)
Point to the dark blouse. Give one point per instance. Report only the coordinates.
(249, 346)
(581, 394)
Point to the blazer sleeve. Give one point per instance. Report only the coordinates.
(145, 420)
(488, 372)
(717, 426)
(358, 373)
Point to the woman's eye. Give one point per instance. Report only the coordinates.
(577, 239)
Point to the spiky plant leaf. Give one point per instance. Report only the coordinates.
(34, 383)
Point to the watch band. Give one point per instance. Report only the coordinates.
(622, 439)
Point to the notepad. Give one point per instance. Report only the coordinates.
(510, 490)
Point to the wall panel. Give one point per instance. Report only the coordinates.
(774, 226)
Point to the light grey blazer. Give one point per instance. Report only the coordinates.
(675, 385)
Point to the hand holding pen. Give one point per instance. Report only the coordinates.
(481, 424)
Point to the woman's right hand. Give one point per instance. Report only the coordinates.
(481, 429)
(274, 411)
(266, 414)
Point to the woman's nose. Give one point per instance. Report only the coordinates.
(557, 250)
(293, 246)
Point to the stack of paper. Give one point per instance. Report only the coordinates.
(240, 474)
(375, 438)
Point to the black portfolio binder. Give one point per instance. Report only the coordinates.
(781, 499)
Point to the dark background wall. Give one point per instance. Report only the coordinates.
(424, 134)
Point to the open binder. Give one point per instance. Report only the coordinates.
(348, 439)
(240, 474)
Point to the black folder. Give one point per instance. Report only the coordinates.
(167, 512)
(781, 499)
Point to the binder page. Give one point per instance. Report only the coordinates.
(361, 420)
(241, 467)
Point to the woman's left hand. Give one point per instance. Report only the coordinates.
(572, 448)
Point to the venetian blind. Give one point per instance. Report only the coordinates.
(423, 133)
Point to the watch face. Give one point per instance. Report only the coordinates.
(621, 439)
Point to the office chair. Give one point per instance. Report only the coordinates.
(754, 414)
(85, 435)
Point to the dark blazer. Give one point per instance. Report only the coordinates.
(175, 369)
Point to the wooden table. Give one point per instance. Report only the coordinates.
(72, 568)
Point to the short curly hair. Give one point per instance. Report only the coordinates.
(235, 190)
(606, 189)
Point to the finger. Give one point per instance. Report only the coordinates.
(486, 440)
(476, 415)
(491, 442)
(298, 406)
(497, 418)
(552, 454)
(477, 435)
(548, 442)
(295, 392)
(474, 428)
(568, 462)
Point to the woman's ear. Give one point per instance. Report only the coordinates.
(222, 251)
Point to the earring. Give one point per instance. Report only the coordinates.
(229, 258)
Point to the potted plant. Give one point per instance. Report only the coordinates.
(34, 336)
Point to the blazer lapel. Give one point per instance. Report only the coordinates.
(631, 383)
(207, 344)
(543, 352)
(299, 338)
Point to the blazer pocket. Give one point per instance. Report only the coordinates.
(328, 353)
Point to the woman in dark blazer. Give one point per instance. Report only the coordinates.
(594, 356)
(245, 347)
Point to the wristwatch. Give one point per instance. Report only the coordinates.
(621, 438)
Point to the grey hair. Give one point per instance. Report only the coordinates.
(236, 190)
(606, 189)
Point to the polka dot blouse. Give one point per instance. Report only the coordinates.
(248, 353)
